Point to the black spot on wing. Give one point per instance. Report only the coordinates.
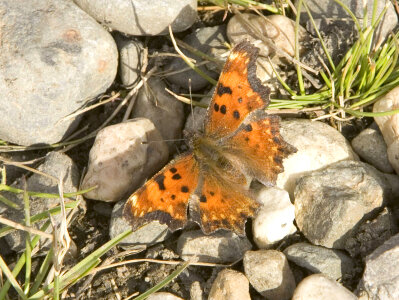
(223, 109)
(173, 170)
(176, 176)
(173, 197)
(216, 107)
(184, 189)
(203, 198)
(221, 89)
(236, 114)
(248, 127)
(160, 181)
(239, 100)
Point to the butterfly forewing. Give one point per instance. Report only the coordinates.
(259, 146)
(165, 196)
(237, 93)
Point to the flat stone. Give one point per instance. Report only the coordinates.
(122, 158)
(269, 273)
(219, 247)
(49, 72)
(333, 263)
(142, 17)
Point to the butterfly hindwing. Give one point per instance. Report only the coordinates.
(220, 205)
(165, 196)
(257, 143)
(237, 93)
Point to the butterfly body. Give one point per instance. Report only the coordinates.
(240, 142)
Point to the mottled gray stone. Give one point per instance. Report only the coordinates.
(130, 59)
(330, 204)
(48, 71)
(230, 285)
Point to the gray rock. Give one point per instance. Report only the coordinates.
(149, 234)
(208, 40)
(220, 247)
(318, 144)
(393, 180)
(164, 110)
(122, 158)
(372, 233)
(370, 146)
(130, 59)
(319, 286)
(329, 204)
(381, 274)
(269, 273)
(56, 164)
(230, 285)
(142, 17)
(48, 72)
(333, 263)
(326, 9)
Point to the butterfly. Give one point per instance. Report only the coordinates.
(210, 182)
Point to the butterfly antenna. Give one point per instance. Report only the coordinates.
(171, 140)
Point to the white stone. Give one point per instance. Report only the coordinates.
(275, 218)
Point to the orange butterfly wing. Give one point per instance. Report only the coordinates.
(165, 196)
(257, 143)
(237, 93)
(220, 205)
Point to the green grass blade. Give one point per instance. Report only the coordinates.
(28, 249)
(9, 203)
(42, 271)
(11, 278)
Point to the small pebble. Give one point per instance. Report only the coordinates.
(230, 285)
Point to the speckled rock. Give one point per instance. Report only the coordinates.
(330, 203)
(49, 72)
(269, 273)
(121, 159)
(142, 17)
(220, 247)
(230, 285)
